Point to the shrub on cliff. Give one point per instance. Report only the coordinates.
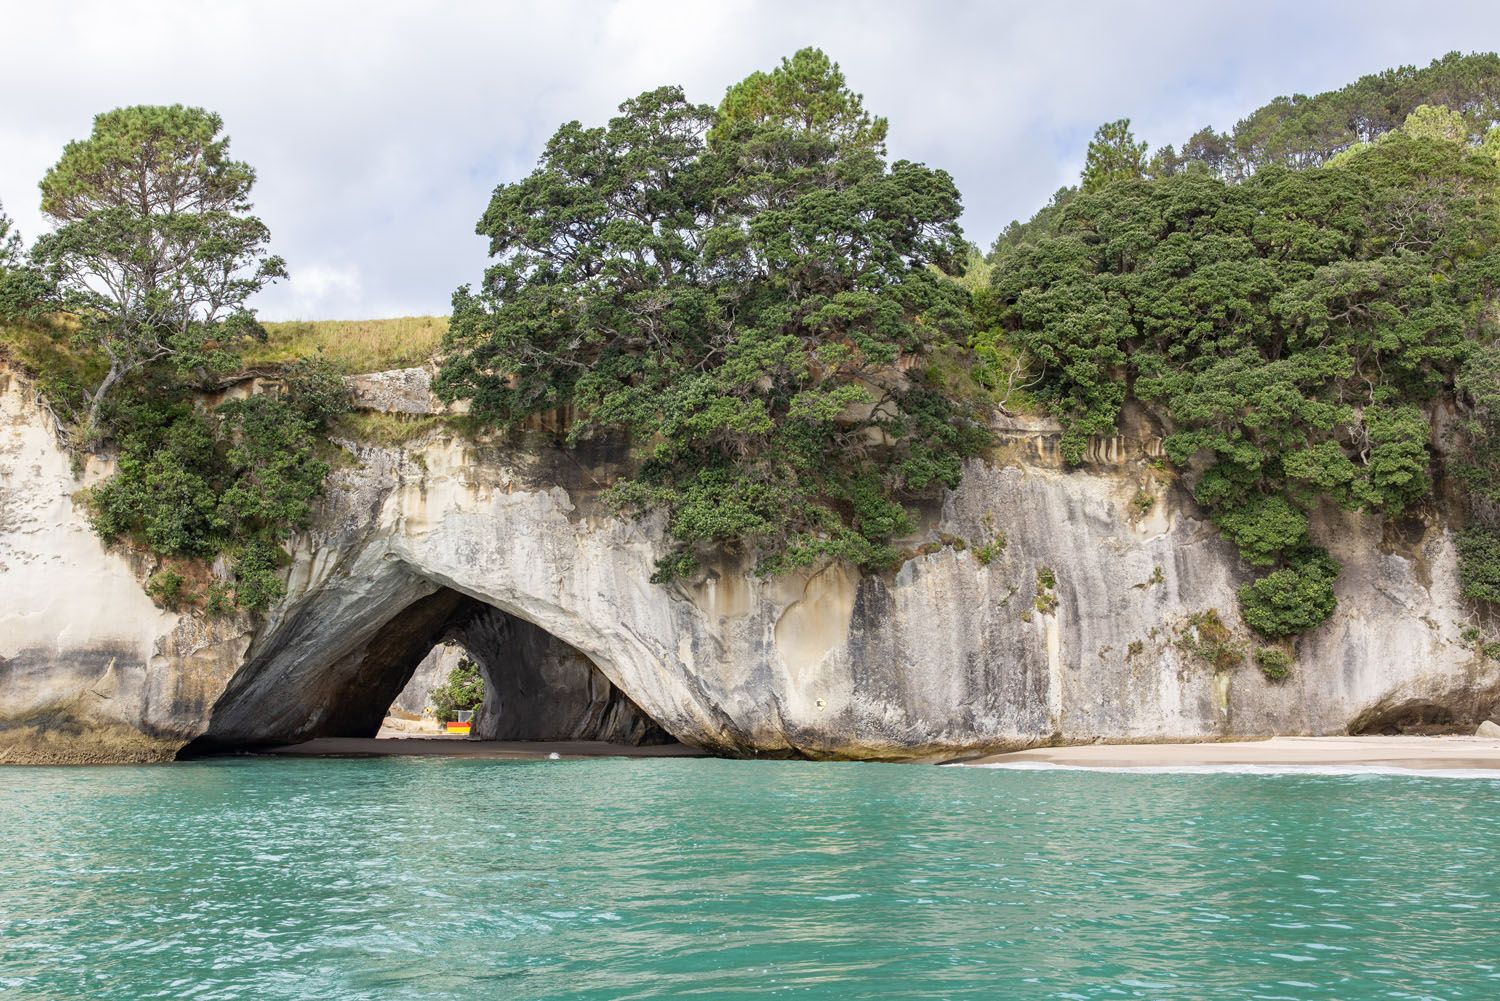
(751, 292)
(1293, 599)
(236, 480)
(1479, 563)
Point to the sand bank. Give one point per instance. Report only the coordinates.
(1449, 753)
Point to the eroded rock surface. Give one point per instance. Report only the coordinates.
(963, 649)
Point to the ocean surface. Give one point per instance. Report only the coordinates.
(393, 878)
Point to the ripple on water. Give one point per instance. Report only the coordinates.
(421, 878)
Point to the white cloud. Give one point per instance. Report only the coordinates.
(379, 128)
(322, 289)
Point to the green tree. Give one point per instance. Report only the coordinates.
(1434, 121)
(463, 691)
(806, 95)
(1491, 145)
(1301, 131)
(1292, 331)
(10, 243)
(750, 294)
(154, 248)
(1113, 155)
(24, 291)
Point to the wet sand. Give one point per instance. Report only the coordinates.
(463, 747)
(1418, 753)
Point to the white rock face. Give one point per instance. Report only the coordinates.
(399, 391)
(430, 673)
(90, 669)
(950, 654)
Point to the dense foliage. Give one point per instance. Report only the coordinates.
(751, 293)
(236, 480)
(1300, 131)
(1291, 331)
(463, 691)
(1479, 563)
(125, 312)
(795, 338)
(153, 248)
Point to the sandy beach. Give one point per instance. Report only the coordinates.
(1417, 753)
(1446, 753)
(463, 747)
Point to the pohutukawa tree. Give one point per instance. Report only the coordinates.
(154, 248)
(751, 293)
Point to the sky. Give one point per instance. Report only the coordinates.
(379, 129)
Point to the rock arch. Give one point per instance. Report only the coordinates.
(334, 666)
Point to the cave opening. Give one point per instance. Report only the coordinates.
(369, 678)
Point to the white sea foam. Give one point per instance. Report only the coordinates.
(1242, 769)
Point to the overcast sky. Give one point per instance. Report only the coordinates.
(378, 128)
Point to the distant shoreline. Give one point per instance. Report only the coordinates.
(1418, 754)
(1407, 753)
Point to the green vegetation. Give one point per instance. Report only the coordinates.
(462, 692)
(153, 250)
(985, 552)
(1209, 638)
(1299, 132)
(1293, 329)
(752, 293)
(1479, 563)
(237, 480)
(1113, 155)
(23, 288)
(800, 345)
(1046, 590)
(165, 588)
(390, 430)
(1274, 662)
(351, 346)
(132, 305)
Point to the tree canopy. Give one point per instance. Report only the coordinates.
(1113, 155)
(153, 247)
(153, 256)
(23, 289)
(1291, 331)
(749, 292)
(1301, 131)
(796, 340)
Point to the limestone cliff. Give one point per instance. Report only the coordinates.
(1078, 627)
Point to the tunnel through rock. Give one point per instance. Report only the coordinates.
(537, 687)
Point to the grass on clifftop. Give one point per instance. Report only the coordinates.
(46, 350)
(352, 346)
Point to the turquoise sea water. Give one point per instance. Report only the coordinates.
(420, 878)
